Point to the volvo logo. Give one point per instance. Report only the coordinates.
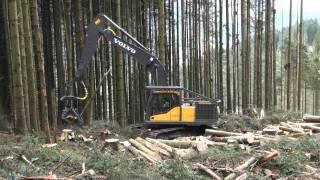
(125, 46)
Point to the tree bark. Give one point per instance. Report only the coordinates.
(120, 110)
(16, 70)
(289, 62)
(41, 71)
(31, 71)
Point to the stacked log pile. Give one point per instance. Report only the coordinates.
(155, 150)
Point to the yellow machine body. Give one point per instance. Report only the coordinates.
(186, 113)
(175, 105)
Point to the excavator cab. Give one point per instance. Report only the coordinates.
(176, 105)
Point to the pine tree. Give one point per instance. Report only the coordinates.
(40, 65)
(16, 71)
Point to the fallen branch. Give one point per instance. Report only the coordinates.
(6, 158)
(208, 171)
(242, 167)
(58, 165)
(25, 159)
(49, 177)
(269, 156)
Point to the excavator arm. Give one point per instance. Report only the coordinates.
(102, 26)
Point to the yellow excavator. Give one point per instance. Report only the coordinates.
(166, 105)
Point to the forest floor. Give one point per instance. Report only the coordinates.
(297, 159)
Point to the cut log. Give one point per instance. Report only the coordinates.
(84, 139)
(265, 138)
(177, 143)
(242, 167)
(220, 133)
(185, 153)
(313, 128)
(270, 131)
(137, 152)
(144, 149)
(153, 147)
(311, 118)
(112, 143)
(162, 145)
(290, 129)
(201, 147)
(297, 135)
(269, 156)
(66, 134)
(240, 139)
(212, 143)
(306, 123)
(208, 171)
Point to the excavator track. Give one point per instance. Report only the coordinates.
(163, 132)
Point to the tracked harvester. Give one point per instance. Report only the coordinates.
(166, 105)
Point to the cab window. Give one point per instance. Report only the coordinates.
(163, 102)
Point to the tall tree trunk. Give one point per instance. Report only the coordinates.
(221, 56)
(23, 65)
(59, 52)
(268, 61)
(31, 71)
(244, 49)
(48, 53)
(18, 99)
(288, 65)
(234, 56)
(40, 65)
(4, 72)
(120, 113)
(274, 60)
(161, 31)
(229, 107)
(300, 56)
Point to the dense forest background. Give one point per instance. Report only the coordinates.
(226, 49)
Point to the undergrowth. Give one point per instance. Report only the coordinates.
(294, 155)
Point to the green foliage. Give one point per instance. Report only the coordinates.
(241, 123)
(228, 154)
(311, 27)
(100, 162)
(177, 169)
(278, 117)
(293, 154)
